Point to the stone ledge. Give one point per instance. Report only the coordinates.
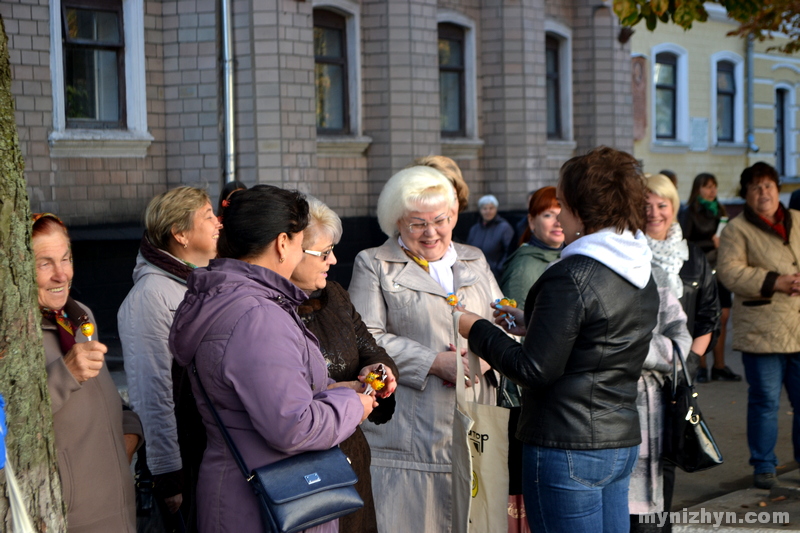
(99, 143)
(345, 146)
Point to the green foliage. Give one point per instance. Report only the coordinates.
(759, 18)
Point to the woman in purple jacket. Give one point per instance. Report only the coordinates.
(261, 367)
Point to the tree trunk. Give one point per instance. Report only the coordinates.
(23, 380)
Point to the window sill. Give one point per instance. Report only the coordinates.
(724, 148)
(669, 147)
(344, 146)
(99, 143)
(560, 149)
(461, 148)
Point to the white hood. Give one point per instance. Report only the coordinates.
(626, 254)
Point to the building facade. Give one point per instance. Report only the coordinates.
(119, 100)
(694, 112)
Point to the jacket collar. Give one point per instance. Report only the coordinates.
(756, 220)
(413, 277)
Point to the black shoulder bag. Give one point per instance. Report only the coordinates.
(301, 491)
(688, 442)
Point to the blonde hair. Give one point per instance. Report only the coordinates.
(172, 212)
(662, 186)
(450, 170)
(413, 188)
(321, 219)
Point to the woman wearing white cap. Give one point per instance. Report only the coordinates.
(493, 234)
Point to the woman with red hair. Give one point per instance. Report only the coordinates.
(540, 245)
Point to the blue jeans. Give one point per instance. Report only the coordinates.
(765, 374)
(577, 490)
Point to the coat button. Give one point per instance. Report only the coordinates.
(694, 284)
(396, 285)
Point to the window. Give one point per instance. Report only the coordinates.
(93, 61)
(451, 80)
(665, 74)
(553, 88)
(726, 94)
(97, 64)
(781, 100)
(330, 72)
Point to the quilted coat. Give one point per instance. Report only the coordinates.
(751, 257)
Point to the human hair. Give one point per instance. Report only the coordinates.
(700, 181)
(605, 189)
(321, 219)
(450, 170)
(662, 186)
(413, 188)
(172, 212)
(488, 199)
(228, 189)
(671, 175)
(754, 174)
(45, 224)
(257, 216)
(541, 200)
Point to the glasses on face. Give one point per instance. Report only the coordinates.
(419, 227)
(322, 255)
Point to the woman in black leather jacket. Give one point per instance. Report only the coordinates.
(590, 318)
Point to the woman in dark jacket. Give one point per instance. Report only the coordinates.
(700, 223)
(348, 347)
(579, 421)
(259, 364)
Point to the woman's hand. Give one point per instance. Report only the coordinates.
(500, 312)
(369, 403)
(715, 240)
(391, 382)
(355, 385)
(85, 359)
(174, 503)
(789, 284)
(131, 442)
(444, 366)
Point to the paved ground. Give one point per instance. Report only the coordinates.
(728, 487)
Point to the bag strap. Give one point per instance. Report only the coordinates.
(228, 440)
(676, 355)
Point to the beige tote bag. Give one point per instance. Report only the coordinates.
(480, 458)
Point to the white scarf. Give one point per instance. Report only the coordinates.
(670, 254)
(442, 270)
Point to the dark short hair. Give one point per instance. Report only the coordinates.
(257, 216)
(754, 174)
(227, 190)
(606, 189)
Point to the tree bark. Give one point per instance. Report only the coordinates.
(23, 379)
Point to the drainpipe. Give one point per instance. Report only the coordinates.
(229, 158)
(751, 134)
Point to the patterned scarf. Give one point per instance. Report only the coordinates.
(163, 260)
(64, 324)
(670, 254)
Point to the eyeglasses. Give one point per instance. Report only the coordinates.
(419, 227)
(322, 255)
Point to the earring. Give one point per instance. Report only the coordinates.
(577, 233)
(185, 244)
(281, 260)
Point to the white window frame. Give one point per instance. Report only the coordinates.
(464, 147)
(738, 99)
(353, 143)
(682, 126)
(130, 142)
(790, 165)
(564, 36)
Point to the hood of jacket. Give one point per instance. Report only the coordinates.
(214, 289)
(145, 268)
(625, 253)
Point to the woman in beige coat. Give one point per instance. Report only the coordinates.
(401, 291)
(95, 438)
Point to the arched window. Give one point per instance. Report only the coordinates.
(726, 95)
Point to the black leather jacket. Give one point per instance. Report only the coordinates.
(700, 299)
(588, 335)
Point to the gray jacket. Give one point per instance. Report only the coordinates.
(144, 320)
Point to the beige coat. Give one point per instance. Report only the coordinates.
(747, 254)
(407, 312)
(89, 424)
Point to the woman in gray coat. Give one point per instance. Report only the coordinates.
(401, 291)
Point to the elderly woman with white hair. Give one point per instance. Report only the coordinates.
(401, 290)
(492, 234)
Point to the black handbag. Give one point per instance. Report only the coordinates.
(301, 491)
(688, 442)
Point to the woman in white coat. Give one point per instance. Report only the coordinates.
(401, 291)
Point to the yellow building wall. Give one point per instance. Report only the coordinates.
(701, 42)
